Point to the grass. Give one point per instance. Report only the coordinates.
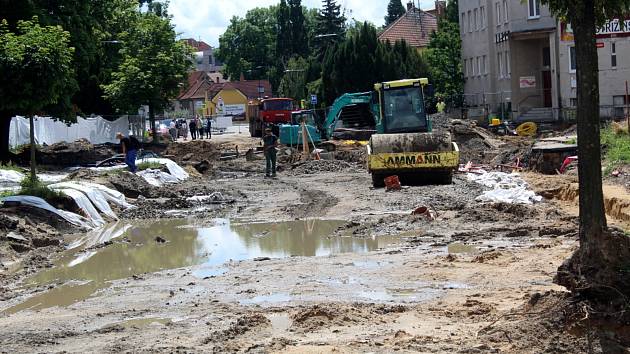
(11, 167)
(149, 165)
(36, 188)
(616, 146)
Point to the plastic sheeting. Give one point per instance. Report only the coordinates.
(10, 177)
(176, 170)
(157, 178)
(101, 235)
(506, 188)
(96, 196)
(49, 131)
(85, 205)
(36, 202)
(111, 195)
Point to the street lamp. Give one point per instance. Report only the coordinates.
(261, 89)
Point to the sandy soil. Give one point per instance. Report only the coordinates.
(476, 279)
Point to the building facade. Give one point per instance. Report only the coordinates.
(519, 62)
(204, 57)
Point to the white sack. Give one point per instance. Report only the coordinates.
(506, 188)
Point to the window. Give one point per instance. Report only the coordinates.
(476, 20)
(469, 22)
(613, 55)
(463, 22)
(573, 102)
(484, 64)
(465, 68)
(500, 63)
(482, 15)
(479, 72)
(572, 60)
(508, 68)
(619, 103)
(505, 11)
(472, 67)
(534, 8)
(498, 5)
(546, 57)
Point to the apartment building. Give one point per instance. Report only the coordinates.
(519, 61)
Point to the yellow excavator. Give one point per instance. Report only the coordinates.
(405, 144)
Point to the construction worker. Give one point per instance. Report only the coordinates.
(270, 143)
(441, 105)
(130, 148)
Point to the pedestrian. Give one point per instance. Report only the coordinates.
(185, 129)
(270, 143)
(172, 130)
(129, 146)
(209, 128)
(200, 128)
(193, 128)
(441, 106)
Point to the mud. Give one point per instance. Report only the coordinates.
(312, 261)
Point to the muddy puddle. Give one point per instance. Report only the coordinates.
(123, 250)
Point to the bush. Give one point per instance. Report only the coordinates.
(36, 188)
(11, 167)
(616, 148)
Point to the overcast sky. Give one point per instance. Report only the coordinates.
(208, 19)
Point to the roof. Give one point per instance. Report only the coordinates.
(198, 45)
(415, 27)
(249, 88)
(205, 85)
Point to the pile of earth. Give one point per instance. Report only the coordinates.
(355, 156)
(319, 166)
(64, 154)
(516, 149)
(196, 150)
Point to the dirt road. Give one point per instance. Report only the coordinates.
(305, 263)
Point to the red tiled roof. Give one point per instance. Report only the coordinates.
(415, 27)
(249, 88)
(198, 45)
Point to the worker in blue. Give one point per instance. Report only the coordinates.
(129, 146)
(270, 144)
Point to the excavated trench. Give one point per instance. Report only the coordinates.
(616, 199)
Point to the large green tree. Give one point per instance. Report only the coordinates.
(284, 36)
(153, 69)
(299, 37)
(603, 259)
(395, 10)
(248, 46)
(36, 63)
(444, 59)
(361, 60)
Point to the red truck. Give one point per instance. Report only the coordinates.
(268, 112)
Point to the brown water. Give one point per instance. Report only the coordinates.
(136, 251)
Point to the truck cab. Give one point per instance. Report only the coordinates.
(270, 112)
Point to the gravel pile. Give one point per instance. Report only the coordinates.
(318, 166)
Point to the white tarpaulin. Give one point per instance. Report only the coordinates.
(10, 177)
(96, 196)
(42, 204)
(173, 167)
(111, 195)
(157, 178)
(49, 131)
(85, 205)
(506, 188)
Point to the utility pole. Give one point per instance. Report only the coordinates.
(627, 107)
(32, 136)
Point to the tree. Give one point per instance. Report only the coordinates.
(601, 263)
(395, 10)
(452, 11)
(284, 36)
(293, 83)
(361, 60)
(444, 59)
(250, 43)
(299, 38)
(36, 66)
(154, 66)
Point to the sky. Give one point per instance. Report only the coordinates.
(208, 19)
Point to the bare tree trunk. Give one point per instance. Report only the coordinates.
(592, 213)
(152, 121)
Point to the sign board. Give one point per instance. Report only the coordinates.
(220, 105)
(599, 45)
(313, 100)
(527, 81)
(611, 28)
(234, 109)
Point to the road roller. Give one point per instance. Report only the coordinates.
(405, 144)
